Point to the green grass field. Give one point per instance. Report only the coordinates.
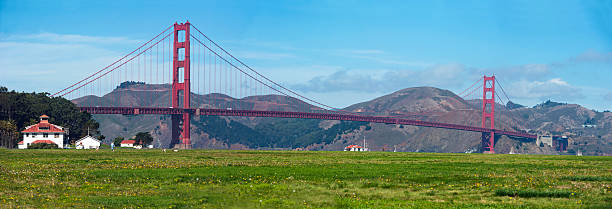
(290, 179)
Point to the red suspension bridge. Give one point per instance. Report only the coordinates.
(199, 66)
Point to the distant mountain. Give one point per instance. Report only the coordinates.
(431, 104)
(212, 131)
(420, 99)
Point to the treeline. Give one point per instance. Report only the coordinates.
(285, 132)
(19, 110)
(126, 84)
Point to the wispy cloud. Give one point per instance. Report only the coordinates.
(263, 55)
(56, 59)
(608, 96)
(68, 38)
(365, 51)
(378, 56)
(587, 57)
(384, 80)
(593, 56)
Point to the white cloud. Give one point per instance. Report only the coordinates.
(556, 89)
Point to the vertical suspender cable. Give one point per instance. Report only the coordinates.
(170, 78)
(157, 67)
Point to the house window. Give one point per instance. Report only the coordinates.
(56, 135)
(45, 135)
(27, 134)
(33, 135)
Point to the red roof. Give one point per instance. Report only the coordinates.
(46, 128)
(43, 141)
(128, 141)
(353, 146)
(21, 142)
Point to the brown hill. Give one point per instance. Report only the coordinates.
(423, 103)
(147, 95)
(419, 99)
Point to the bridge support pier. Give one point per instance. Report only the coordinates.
(181, 62)
(488, 142)
(488, 113)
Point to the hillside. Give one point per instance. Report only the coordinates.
(438, 105)
(213, 132)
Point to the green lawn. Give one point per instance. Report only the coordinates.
(291, 179)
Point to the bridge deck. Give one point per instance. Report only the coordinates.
(305, 115)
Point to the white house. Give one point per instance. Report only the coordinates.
(43, 132)
(356, 148)
(87, 142)
(128, 143)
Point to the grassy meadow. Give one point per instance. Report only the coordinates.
(296, 179)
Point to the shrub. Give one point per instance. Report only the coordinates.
(42, 146)
(588, 178)
(533, 193)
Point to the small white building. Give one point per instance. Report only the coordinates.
(87, 142)
(43, 132)
(128, 143)
(356, 148)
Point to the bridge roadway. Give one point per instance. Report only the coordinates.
(305, 115)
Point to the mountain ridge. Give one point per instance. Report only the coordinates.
(275, 133)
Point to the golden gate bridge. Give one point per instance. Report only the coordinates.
(188, 62)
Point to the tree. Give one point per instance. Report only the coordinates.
(117, 141)
(144, 138)
(8, 133)
(42, 146)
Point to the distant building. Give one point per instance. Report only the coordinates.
(356, 148)
(545, 139)
(43, 132)
(559, 143)
(87, 142)
(589, 126)
(128, 143)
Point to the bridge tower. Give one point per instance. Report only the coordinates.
(180, 68)
(488, 114)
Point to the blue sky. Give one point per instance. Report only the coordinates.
(338, 52)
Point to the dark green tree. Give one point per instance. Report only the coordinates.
(101, 138)
(117, 141)
(9, 136)
(143, 138)
(42, 146)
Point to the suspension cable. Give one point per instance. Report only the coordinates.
(299, 95)
(469, 87)
(112, 63)
(502, 88)
(137, 55)
(260, 81)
